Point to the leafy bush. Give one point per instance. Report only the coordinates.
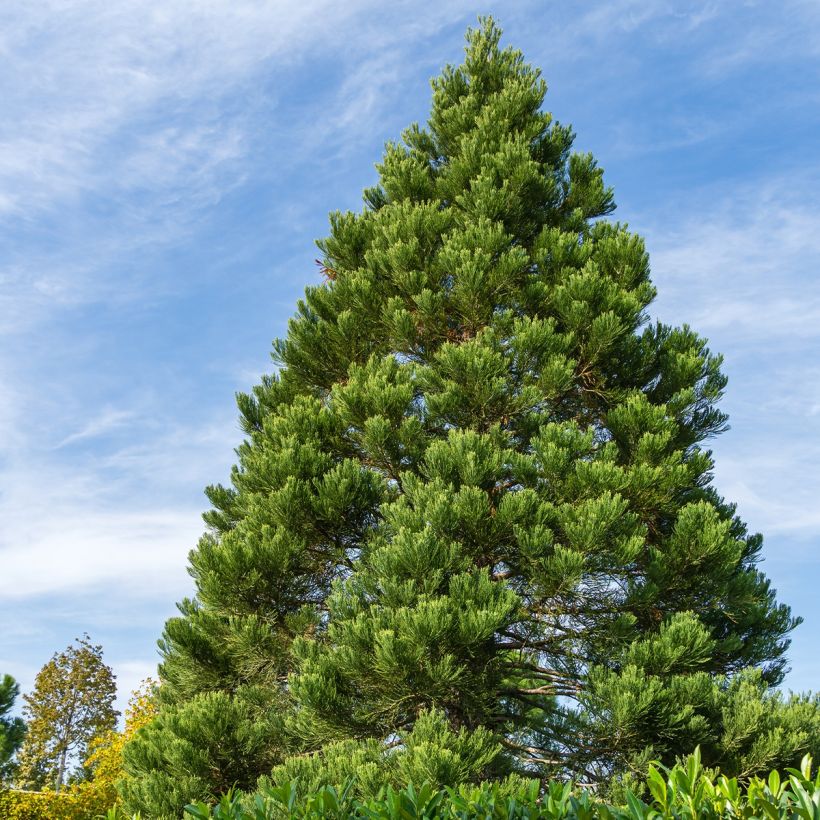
(684, 791)
(77, 804)
(93, 797)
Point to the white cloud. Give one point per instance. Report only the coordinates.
(780, 317)
(102, 500)
(631, 139)
(110, 419)
(763, 35)
(791, 513)
(115, 518)
(130, 676)
(740, 266)
(621, 16)
(767, 465)
(742, 258)
(86, 548)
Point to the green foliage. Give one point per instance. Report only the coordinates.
(432, 752)
(213, 733)
(682, 792)
(472, 532)
(12, 729)
(71, 705)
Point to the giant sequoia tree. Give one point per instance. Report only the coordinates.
(472, 529)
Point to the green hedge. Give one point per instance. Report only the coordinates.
(685, 791)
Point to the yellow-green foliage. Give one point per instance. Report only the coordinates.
(105, 761)
(91, 798)
(74, 804)
(72, 704)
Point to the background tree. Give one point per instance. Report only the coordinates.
(104, 764)
(12, 729)
(472, 530)
(72, 703)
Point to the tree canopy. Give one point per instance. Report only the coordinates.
(472, 531)
(71, 705)
(12, 729)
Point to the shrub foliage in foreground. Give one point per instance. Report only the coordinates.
(684, 791)
(472, 532)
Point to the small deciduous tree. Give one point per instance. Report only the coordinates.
(72, 703)
(12, 729)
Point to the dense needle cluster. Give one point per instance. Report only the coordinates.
(472, 531)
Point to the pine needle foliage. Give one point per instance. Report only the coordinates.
(12, 729)
(474, 510)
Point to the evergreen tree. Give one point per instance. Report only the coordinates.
(12, 729)
(71, 705)
(472, 530)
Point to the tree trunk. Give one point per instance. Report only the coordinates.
(61, 769)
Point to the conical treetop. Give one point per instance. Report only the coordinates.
(472, 530)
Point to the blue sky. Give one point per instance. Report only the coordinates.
(165, 169)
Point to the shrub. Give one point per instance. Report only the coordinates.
(96, 796)
(685, 790)
(74, 804)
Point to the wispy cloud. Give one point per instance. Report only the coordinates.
(108, 420)
(791, 513)
(103, 498)
(740, 266)
(139, 141)
(743, 261)
(81, 76)
(90, 548)
(763, 34)
(130, 676)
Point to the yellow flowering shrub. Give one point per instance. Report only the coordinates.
(105, 761)
(50, 805)
(91, 798)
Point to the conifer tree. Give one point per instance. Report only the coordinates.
(472, 530)
(12, 729)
